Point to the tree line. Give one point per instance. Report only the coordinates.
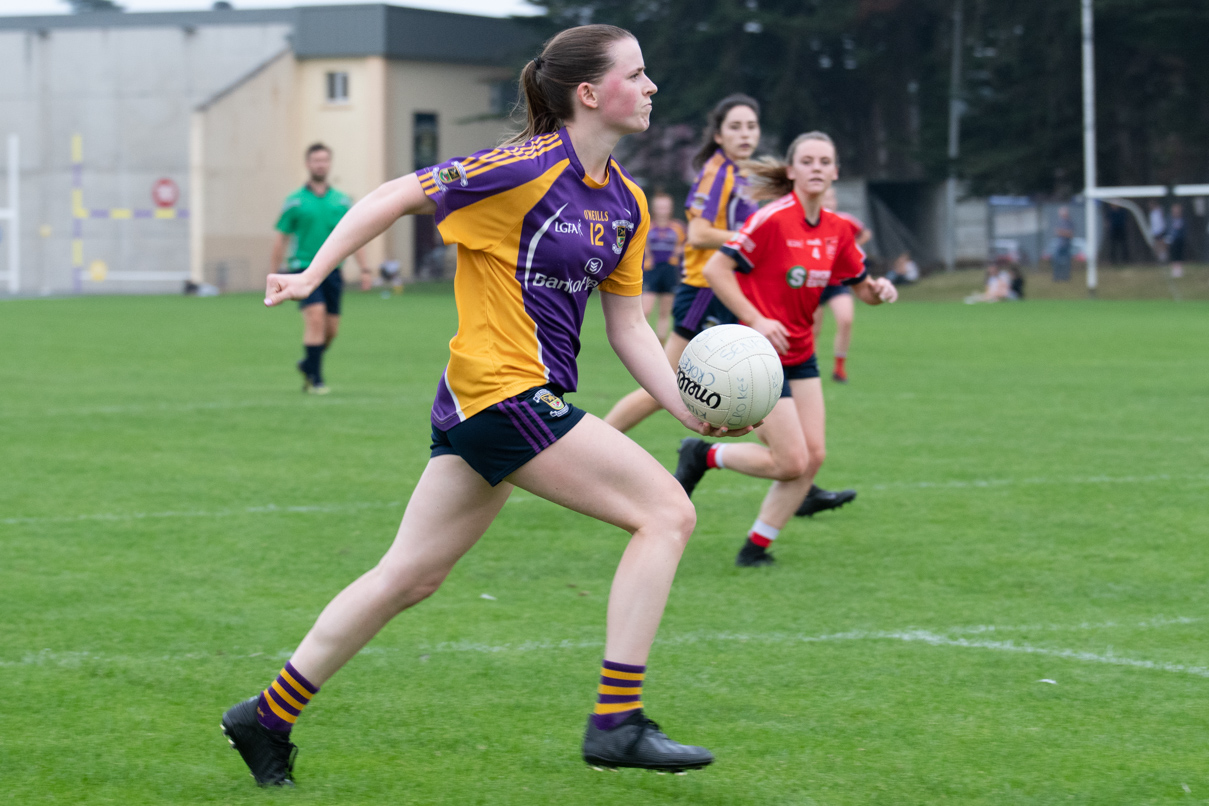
(876, 75)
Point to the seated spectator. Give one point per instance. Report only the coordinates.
(998, 287)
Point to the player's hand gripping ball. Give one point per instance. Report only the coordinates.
(730, 375)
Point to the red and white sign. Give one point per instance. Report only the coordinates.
(165, 193)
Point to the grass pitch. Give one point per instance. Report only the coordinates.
(1032, 477)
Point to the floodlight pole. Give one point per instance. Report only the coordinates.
(1089, 147)
(954, 141)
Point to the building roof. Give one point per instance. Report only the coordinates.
(335, 31)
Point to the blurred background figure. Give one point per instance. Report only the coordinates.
(904, 271)
(661, 266)
(1064, 236)
(998, 285)
(1118, 240)
(307, 218)
(1158, 230)
(1174, 238)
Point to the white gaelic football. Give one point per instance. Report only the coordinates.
(730, 375)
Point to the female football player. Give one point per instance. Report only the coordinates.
(661, 269)
(717, 205)
(839, 298)
(499, 420)
(772, 275)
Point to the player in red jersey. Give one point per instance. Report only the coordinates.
(839, 298)
(772, 275)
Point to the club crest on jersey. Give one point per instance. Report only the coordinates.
(454, 172)
(553, 401)
(621, 228)
(831, 245)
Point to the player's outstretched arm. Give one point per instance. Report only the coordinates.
(704, 235)
(368, 219)
(719, 272)
(639, 349)
(875, 290)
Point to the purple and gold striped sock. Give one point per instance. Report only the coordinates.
(619, 694)
(282, 702)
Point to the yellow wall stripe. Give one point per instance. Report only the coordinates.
(77, 148)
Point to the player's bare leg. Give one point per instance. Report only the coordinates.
(629, 489)
(450, 509)
(451, 502)
(314, 342)
(844, 310)
(663, 324)
(331, 326)
(638, 405)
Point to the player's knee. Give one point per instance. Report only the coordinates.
(816, 458)
(676, 517)
(410, 587)
(791, 465)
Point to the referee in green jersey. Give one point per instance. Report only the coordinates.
(308, 217)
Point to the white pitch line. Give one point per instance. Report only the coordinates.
(943, 638)
(517, 498)
(978, 484)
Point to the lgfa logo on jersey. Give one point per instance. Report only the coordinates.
(621, 228)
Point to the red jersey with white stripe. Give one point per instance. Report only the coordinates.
(785, 262)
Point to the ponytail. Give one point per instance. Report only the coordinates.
(548, 82)
(768, 177)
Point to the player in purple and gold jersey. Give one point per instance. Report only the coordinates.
(538, 224)
(661, 270)
(716, 207)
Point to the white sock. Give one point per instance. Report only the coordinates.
(764, 530)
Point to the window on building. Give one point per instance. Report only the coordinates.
(337, 88)
(429, 251)
(503, 97)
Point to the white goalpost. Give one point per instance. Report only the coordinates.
(11, 216)
(1117, 195)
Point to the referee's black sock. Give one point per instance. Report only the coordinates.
(312, 362)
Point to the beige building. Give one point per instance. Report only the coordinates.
(159, 147)
(384, 110)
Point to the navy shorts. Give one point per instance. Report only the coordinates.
(807, 369)
(502, 438)
(660, 280)
(327, 294)
(695, 309)
(833, 291)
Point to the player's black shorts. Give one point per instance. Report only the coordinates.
(327, 293)
(833, 291)
(807, 369)
(660, 280)
(694, 309)
(501, 438)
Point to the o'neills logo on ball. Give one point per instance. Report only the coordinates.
(696, 391)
